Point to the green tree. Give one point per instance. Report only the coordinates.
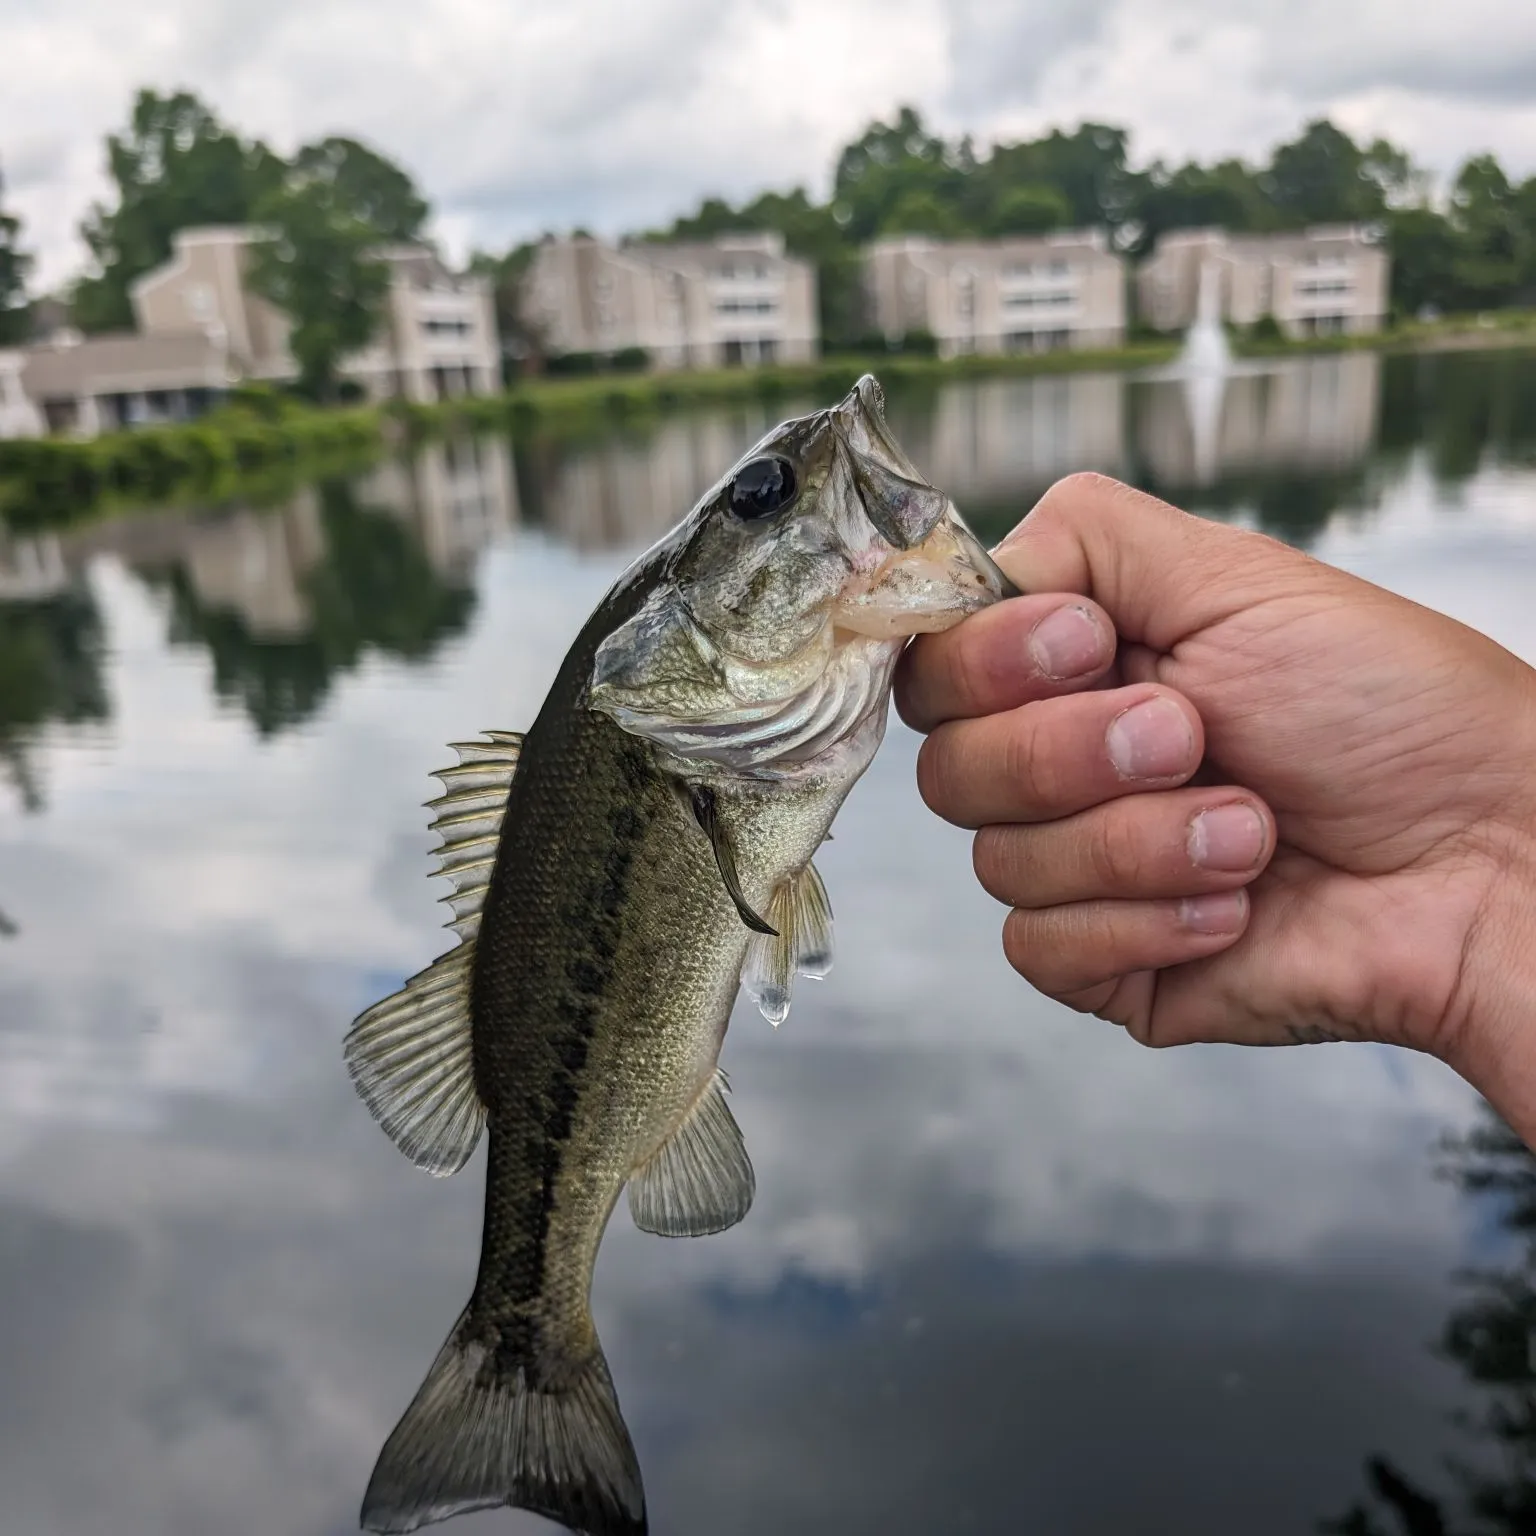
(1029, 210)
(175, 167)
(315, 264)
(1492, 241)
(888, 165)
(373, 190)
(1423, 247)
(1324, 177)
(1087, 166)
(15, 264)
(373, 592)
(1227, 195)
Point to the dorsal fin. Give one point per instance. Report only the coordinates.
(799, 909)
(411, 1056)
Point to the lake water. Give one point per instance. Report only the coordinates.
(1006, 1270)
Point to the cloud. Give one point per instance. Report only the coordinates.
(515, 119)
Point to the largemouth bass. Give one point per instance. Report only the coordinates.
(619, 871)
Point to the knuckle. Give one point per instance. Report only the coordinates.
(937, 772)
(1028, 762)
(1117, 858)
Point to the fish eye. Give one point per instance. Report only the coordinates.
(762, 487)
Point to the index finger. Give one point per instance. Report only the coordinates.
(1013, 653)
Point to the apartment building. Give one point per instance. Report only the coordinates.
(437, 338)
(737, 299)
(1316, 282)
(1014, 295)
(19, 415)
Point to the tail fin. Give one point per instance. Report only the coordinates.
(476, 1439)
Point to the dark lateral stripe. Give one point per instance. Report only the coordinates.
(597, 917)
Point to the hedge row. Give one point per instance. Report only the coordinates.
(53, 482)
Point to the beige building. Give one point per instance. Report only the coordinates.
(738, 299)
(437, 337)
(1013, 295)
(85, 385)
(1318, 282)
(201, 330)
(19, 415)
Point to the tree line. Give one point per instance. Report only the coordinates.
(175, 165)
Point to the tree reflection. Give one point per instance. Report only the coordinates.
(1492, 1337)
(369, 587)
(50, 670)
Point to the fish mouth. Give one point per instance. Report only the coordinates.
(933, 571)
(927, 588)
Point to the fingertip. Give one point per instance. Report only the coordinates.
(1012, 653)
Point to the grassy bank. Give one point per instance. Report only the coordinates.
(1452, 333)
(55, 482)
(264, 441)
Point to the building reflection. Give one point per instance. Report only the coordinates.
(285, 597)
(995, 446)
(1317, 414)
(628, 488)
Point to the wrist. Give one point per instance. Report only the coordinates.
(1492, 1036)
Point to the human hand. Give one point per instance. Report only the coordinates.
(1290, 806)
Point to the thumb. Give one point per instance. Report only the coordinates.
(1159, 573)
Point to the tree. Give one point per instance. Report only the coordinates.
(175, 167)
(1493, 244)
(1324, 177)
(15, 264)
(372, 189)
(1029, 210)
(315, 264)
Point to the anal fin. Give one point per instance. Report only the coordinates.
(700, 1179)
(803, 916)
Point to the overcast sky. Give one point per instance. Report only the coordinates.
(616, 114)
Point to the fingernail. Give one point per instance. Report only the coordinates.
(1224, 913)
(1151, 741)
(1228, 837)
(1067, 643)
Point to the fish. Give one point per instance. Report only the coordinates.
(621, 872)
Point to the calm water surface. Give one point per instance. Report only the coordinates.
(1006, 1270)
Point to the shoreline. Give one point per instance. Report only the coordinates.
(263, 444)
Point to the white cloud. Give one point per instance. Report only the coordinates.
(516, 118)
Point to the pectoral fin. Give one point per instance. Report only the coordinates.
(803, 943)
(706, 813)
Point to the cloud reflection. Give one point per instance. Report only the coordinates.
(1006, 1269)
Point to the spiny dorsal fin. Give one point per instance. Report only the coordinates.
(700, 1179)
(410, 1056)
(469, 815)
(799, 909)
(706, 813)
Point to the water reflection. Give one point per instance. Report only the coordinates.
(996, 1249)
(1491, 1337)
(283, 599)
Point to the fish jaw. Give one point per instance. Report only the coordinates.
(924, 589)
